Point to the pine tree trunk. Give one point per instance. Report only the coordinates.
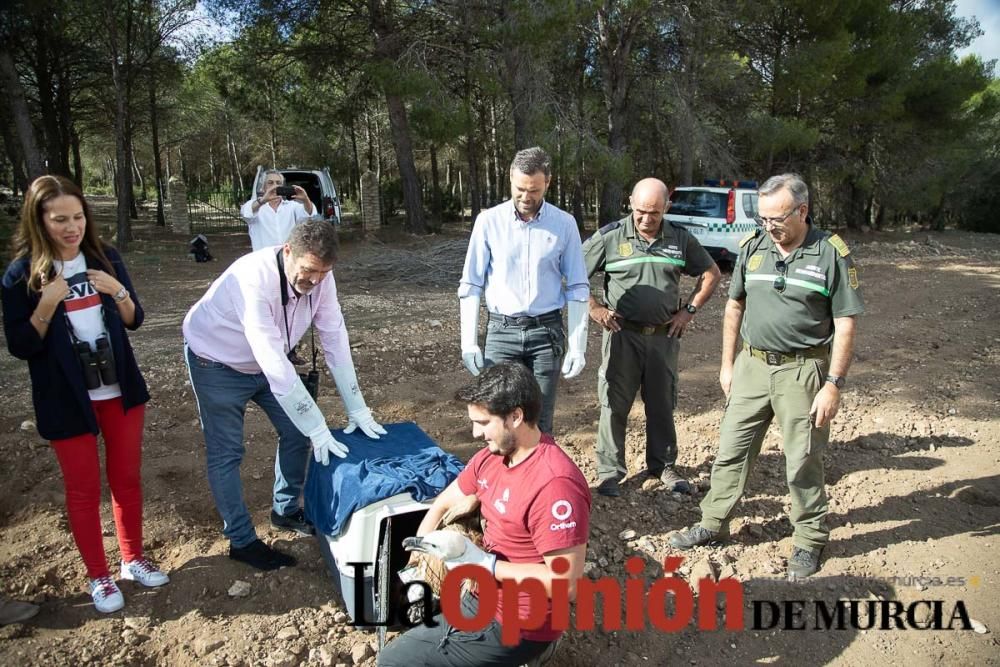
(401, 141)
(14, 93)
(436, 208)
(154, 128)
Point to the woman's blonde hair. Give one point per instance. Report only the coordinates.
(32, 239)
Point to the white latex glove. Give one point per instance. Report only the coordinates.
(472, 355)
(575, 360)
(453, 548)
(307, 418)
(364, 419)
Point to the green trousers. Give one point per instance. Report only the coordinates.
(760, 393)
(630, 362)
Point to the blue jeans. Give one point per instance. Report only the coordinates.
(539, 346)
(222, 395)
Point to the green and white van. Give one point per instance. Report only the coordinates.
(719, 214)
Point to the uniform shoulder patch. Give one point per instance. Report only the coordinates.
(746, 239)
(839, 244)
(610, 227)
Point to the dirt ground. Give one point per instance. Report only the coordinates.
(913, 473)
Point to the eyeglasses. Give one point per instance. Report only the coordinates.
(770, 222)
(779, 280)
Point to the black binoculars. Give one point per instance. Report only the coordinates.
(98, 364)
(311, 381)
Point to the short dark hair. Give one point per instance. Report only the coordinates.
(531, 161)
(314, 237)
(502, 388)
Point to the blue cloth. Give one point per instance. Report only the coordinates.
(403, 460)
(520, 266)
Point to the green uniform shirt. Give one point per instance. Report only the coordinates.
(640, 278)
(821, 283)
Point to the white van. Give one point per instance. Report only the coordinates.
(719, 214)
(317, 184)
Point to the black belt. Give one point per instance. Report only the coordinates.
(552, 317)
(644, 329)
(782, 358)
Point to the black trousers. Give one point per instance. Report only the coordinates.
(444, 646)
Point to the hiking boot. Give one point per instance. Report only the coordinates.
(674, 482)
(106, 594)
(259, 555)
(13, 611)
(803, 563)
(144, 572)
(609, 488)
(696, 536)
(297, 522)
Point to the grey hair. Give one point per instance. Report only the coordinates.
(531, 161)
(791, 182)
(274, 171)
(314, 237)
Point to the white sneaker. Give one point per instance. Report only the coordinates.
(107, 597)
(144, 572)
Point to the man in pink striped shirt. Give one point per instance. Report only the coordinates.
(238, 336)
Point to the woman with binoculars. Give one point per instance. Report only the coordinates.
(67, 300)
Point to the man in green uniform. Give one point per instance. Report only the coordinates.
(795, 291)
(642, 260)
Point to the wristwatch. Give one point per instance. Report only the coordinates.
(120, 295)
(837, 381)
(691, 308)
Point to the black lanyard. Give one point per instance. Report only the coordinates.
(283, 286)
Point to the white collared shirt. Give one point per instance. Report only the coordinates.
(520, 266)
(239, 321)
(270, 227)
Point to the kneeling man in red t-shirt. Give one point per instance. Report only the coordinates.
(536, 507)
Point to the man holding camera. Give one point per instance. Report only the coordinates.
(238, 337)
(271, 216)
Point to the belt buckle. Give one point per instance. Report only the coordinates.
(647, 330)
(772, 358)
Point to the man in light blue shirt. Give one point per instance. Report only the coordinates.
(520, 255)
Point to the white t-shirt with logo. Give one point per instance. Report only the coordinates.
(83, 308)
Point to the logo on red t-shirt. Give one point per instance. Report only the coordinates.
(562, 510)
(501, 503)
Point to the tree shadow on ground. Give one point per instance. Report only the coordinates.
(767, 490)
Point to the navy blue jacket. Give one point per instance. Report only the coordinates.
(62, 404)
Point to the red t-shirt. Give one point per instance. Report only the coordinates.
(540, 505)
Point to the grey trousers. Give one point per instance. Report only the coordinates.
(444, 646)
(540, 347)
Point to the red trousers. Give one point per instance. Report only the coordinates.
(81, 469)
